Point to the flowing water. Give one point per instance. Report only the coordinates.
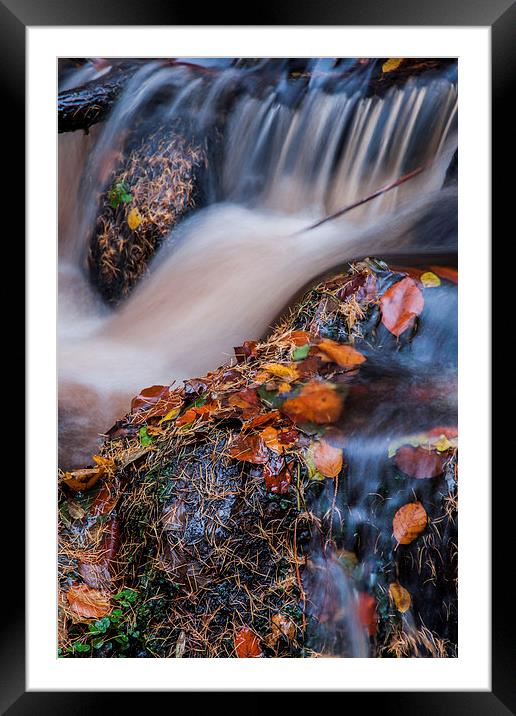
(292, 154)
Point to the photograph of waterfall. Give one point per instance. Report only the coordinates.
(257, 357)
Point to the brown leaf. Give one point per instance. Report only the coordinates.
(88, 603)
(247, 400)
(344, 355)
(409, 521)
(400, 596)
(328, 460)
(316, 403)
(247, 644)
(104, 501)
(400, 305)
(419, 462)
(249, 448)
(95, 575)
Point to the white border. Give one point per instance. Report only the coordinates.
(471, 670)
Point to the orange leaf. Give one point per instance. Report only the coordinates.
(192, 414)
(279, 440)
(88, 603)
(247, 644)
(317, 403)
(419, 462)
(261, 420)
(328, 460)
(80, 480)
(249, 448)
(409, 521)
(298, 338)
(344, 355)
(400, 304)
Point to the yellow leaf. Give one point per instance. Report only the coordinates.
(392, 64)
(170, 415)
(443, 444)
(134, 218)
(287, 373)
(400, 597)
(429, 279)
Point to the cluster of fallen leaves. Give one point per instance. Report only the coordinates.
(286, 395)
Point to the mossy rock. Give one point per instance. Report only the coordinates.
(240, 526)
(159, 180)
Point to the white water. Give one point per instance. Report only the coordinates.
(225, 273)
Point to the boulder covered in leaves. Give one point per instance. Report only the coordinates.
(158, 180)
(300, 502)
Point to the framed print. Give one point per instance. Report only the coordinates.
(250, 356)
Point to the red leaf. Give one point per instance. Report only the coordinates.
(247, 644)
(419, 462)
(249, 448)
(446, 272)
(277, 480)
(366, 612)
(148, 396)
(400, 304)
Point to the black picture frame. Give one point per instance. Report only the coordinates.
(500, 15)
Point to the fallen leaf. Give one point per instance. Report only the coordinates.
(344, 355)
(95, 575)
(316, 403)
(277, 479)
(400, 305)
(391, 64)
(400, 596)
(419, 462)
(279, 440)
(104, 501)
(366, 612)
(247, 644)
(134, 218)
(328, 460)
(249, 448)
(263, 419)
(149, 397)
(157, 401)
(446, 272)
(281, 626)
(247, 400)
(285, 372)
(202, 412)
(75, 510)
(298, 338)
(430, 280)
(80, 480)
(409, 522)
(88, 603)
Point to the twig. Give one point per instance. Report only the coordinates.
(378, 192)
